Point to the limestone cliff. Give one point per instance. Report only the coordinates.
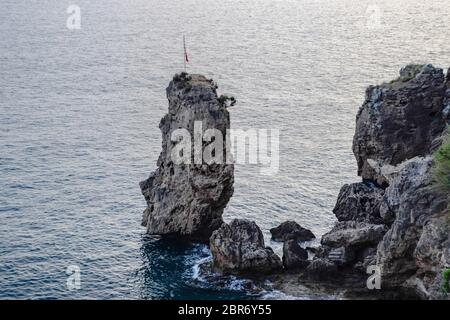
(188, 198)
(395, 219)
(399, 120)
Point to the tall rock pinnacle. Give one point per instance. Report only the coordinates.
(188, 198)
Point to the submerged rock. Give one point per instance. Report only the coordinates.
(188, 199)
(291, 230)
(238, 248)
(294, 256)
(399, 120)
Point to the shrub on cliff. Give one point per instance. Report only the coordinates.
(183, 76)
(445, 286)
(408, 73)
(227, 101)
(441, 169)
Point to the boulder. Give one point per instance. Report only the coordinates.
(291, 230)
(354, 235)
(399, 120)
(350, 244)
(359, 202)
(238, 248)
(188, 199)
(294, 256)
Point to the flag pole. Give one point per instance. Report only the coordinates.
(184, 53)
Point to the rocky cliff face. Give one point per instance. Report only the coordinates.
(188, 198)
(395, 219)
(411, 204)
(399, 120)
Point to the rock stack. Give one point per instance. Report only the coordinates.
(188, 199)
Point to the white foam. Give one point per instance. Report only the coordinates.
(196, 268)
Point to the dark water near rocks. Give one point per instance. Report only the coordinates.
(80, 112)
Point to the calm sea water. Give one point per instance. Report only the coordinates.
(79, 114)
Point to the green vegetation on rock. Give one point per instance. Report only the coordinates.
(446, 280)
(441, 169)
(183, 76)
(227, 101)
(408, 73)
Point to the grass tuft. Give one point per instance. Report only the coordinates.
(441, 166)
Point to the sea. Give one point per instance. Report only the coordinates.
(82, 91)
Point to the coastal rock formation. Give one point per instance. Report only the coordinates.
(187, 198)
(359, 202)
(399, 120)
(291, 230)
(407, 184)
(432, 256)
(322, 268)
(238, 248)
(412, 202)
(350, 242)
(354, 235)
(395, 219)
(446, 109)
(294, 256)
